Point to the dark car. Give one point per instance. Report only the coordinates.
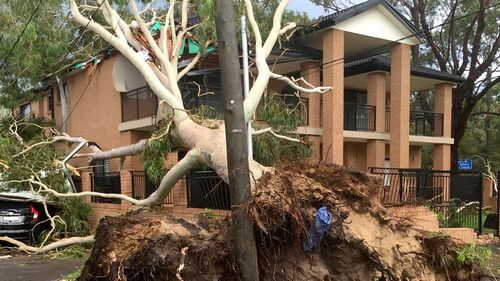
(17, 219)
(22, 217)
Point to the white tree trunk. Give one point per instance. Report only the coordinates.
(64, 104)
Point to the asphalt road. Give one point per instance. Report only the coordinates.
(36, 268)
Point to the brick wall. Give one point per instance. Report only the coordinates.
(333, 101)
(415, 159)
(355, 155)
(400, 105)
(96, 112)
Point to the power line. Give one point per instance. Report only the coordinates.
(77, 39)
(92, 76)
(20, 35)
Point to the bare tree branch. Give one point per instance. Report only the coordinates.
(270, 131)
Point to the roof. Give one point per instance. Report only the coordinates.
(340, 16)
(383, 63)
(297, 51)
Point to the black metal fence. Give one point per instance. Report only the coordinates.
(139, 103)
(206, 189)
(142, 187)
(106, 183)
(455, 196)
(405, 186)
(456, 213)
(359, 117)
(426, 123)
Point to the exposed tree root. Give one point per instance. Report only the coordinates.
(363, 243)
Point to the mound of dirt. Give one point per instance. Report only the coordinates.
(363, 243)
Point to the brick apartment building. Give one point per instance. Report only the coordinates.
(363, 53)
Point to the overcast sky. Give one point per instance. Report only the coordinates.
(305, 5)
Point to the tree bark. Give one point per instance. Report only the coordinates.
(242, 230)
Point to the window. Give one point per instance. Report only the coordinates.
(101, 167)
(25, 110)
(50, 102)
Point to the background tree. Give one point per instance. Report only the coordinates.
(37, 41)
(466, 42)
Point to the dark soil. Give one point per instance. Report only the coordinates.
(363, 243)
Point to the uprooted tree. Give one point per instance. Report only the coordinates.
(156, 58)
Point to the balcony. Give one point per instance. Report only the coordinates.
(422, 123)
(426, 123)
(359, 117)
(139, 103)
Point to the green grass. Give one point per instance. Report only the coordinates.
(72, 276)
(71, 252)
(449, 216)
(473, 254)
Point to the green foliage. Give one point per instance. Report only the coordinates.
(472, 254)
(269, 150)
(205, 112)
(73, 276)
(278, 115)
(39, 51)
(39, 161)
(75, 213)
(154, 155)
(209, 213)
(77, 251)
(482, 135)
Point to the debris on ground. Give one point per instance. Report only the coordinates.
(486, 239)
(362, 242)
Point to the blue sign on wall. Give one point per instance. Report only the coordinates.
(465, 164)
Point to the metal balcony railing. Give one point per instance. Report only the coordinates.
(139, 103)
(422, 123)
(426, 123)
(359, 117)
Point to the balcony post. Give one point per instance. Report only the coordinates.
(333, 101)
(375, 149)
(442, 104)
(400, 106)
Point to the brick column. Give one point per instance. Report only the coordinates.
(376, 96)
(333, 101)
(311, 72)
(400, 106)
(442, 104)
(126, 184)
(86, 185)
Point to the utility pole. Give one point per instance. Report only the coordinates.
(246, 80)
(242, 230)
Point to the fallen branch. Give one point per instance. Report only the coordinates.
(270, 131)
(47, 248)
(294, 84)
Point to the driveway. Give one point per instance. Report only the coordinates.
(494, 262)
(37, 268)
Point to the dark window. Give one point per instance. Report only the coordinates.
(356, 97)
(203, 91)
(25, 110)
(101, 167)
(50, 102)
